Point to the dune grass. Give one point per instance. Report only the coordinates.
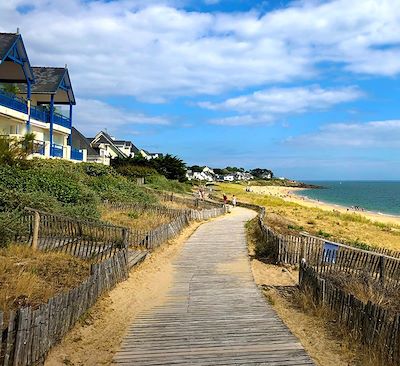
(138, 220)
(289, 217)
(29, 277)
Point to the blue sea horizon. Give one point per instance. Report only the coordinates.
(381, 196)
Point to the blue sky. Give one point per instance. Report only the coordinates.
(309, 89)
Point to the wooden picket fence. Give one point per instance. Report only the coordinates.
(97, 241)
(29, 333)
(368, 322)
(325, 255)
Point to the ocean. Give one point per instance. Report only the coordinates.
(378, 196)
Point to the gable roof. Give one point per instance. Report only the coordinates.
(52, 81)
(104, 137)
(15, 66)
(81, 142)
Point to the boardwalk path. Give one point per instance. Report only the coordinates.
(215, 314)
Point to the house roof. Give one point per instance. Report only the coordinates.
(52, 81)
(105, 138)
(81, 142)
(14, 61)
(129, 143)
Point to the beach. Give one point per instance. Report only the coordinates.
(289, 194)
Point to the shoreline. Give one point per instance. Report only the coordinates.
(289, 194)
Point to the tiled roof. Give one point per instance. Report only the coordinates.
(47, 79)
(6, 41)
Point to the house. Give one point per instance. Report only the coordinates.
(229, 178)
(35, 100)
(104, 147)
(148, 155)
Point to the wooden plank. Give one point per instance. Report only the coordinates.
(214, 313)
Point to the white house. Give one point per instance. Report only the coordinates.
(35, 105)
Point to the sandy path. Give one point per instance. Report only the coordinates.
(95, 339)
(286, 193)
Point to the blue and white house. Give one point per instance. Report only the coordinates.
(41, 101)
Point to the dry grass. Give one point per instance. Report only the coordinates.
(290, 217)
(138, 220)
(366, 288)
(29, 277)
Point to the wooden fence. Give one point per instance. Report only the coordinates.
(325, 255)
(368, 322)
(28, 333)
(97, 241)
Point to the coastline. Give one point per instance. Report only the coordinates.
(289, 194)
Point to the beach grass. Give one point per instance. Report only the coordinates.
(290, 218)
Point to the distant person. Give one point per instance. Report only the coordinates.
(233, 201)
(225, 199)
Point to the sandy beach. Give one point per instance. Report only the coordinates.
(288, 194)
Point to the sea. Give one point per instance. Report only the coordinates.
(377, 196)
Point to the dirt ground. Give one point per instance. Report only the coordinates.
(97, 337)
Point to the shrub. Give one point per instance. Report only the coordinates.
(9, 226)
(135, 171)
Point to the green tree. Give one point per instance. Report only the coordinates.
(10, 88)
(14, 150)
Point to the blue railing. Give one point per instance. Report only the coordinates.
(38, 147)
(61, 120)
(57, 151)
(10, 100)
(40, 114)
(76, 154)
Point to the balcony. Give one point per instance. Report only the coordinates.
(10, 100)
(76, 155)
(57, 151)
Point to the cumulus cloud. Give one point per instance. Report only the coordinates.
(154, 50)
(265, 105)
(93, 115)
(375, 134)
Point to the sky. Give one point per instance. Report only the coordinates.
(309, 89)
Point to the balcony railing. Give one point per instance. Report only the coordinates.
(40, 114)
(57, 151)
(76, 154)
(38, 147)
(61, 120)
(10, 100)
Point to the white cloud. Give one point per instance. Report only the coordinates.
(376, 134)
(154, 50)
(93, 115)
(265, 105)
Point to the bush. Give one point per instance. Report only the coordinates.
(159, 182)
(134, 171)
(9, 226)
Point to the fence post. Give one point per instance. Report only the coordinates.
(35, 234)
(382, 263)
(125, 237)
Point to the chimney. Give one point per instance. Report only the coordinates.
(17, 30)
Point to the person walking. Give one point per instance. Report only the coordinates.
(234, 201)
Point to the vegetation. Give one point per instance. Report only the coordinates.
(15, 151)
(262, 173)
(171, 167)
(10, 88)
(29, 277)
(291, 218)
(59, 186)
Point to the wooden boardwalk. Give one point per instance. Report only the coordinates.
(214, 314)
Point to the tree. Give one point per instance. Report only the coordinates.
(10, 88)
(169, 166)
(14, 150)
(262, 173)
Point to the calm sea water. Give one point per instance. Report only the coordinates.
(383, 197)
